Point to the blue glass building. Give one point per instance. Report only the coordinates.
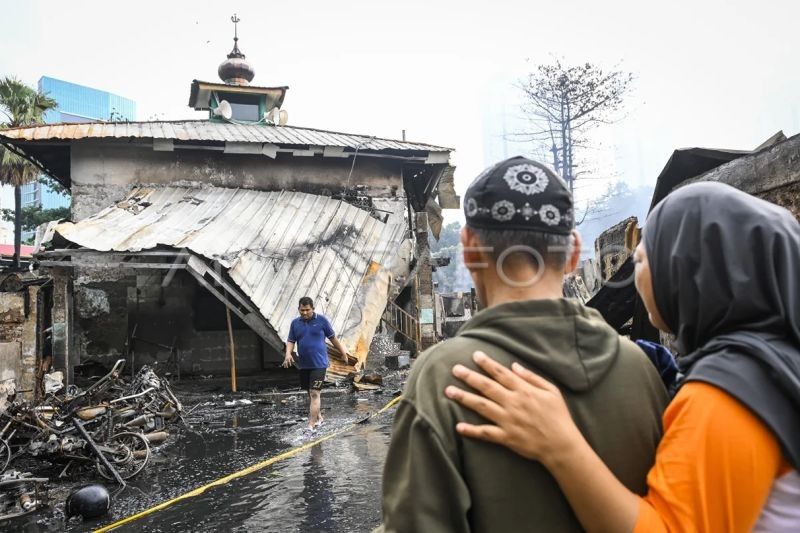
(76, 103)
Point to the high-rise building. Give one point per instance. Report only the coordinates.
(76, 103)
(503, 121)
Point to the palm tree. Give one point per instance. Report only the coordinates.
(22, 106)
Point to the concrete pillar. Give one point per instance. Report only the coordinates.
(62, 319)
(424, 282)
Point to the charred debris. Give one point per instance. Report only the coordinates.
(104, 430)
(771, 172)
(190, 242)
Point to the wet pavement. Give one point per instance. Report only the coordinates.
(333, 486)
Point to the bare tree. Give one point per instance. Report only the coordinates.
(564, 103)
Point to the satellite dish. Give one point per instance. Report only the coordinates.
(283, 117)
(224, 110)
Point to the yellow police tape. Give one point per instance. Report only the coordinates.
(241, 473)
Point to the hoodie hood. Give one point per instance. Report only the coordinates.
(565, 340)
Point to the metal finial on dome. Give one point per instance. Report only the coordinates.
(236, 70)
(235, 52)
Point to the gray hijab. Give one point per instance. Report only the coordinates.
(726, 280)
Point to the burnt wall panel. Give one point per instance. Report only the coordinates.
(787, 196)
(18, 338)
(101, 319)
(103, 173)
(182, 314)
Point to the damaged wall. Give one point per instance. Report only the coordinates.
(615, 245)
(105, 173)
(18, 338)
(110, 303)
(787, 196)
(183, 313)
(98, 325)
(772, 174)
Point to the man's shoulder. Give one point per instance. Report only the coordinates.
(453, 350)
(633, 353)
(434, 365)
(322, 318)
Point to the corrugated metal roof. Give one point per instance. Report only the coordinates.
(277, 246)
(208, 130)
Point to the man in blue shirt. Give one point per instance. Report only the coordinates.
(309, 332)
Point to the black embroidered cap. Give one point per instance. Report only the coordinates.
(521, 194)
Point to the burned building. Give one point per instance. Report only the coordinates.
(771, 172)
(185, 231)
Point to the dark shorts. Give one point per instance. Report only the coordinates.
(312, 378)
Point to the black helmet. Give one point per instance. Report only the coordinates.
(89, 501)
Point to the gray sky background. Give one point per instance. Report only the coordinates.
(712, 73)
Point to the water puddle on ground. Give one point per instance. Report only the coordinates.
(333, 486)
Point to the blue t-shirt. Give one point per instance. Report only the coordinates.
(309, 338)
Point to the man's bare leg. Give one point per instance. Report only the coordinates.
(313, 408)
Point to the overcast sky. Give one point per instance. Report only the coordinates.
(711, 73)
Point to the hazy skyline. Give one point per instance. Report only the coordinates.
(709, 73)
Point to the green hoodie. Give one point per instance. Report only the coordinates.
(434, 480)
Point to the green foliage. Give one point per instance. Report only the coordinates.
(54, 186)
(21, 106)
(34, 216)
(449, 236)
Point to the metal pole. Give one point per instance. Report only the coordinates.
(97, 452)
(233, 350)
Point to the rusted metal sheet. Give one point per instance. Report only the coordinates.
(207, 130)
(275, 246)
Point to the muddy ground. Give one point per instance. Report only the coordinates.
(333, 486)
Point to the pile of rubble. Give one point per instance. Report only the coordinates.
(107, 428)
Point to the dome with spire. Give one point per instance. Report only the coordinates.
(236, 70)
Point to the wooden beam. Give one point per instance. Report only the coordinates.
(233, 350)
(256, 323)
(202, 268)
(82, 251)
(116, 264)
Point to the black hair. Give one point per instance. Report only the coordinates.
(305, 300)
(553, 248)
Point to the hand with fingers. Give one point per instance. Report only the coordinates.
(527, 413)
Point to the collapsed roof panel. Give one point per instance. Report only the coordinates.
(275, 246)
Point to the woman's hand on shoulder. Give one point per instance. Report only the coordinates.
(528, 414)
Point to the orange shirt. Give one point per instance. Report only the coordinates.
(714, 468)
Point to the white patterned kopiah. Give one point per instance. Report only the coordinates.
(503, 211)
(472, 207)
(527, 179)
(550, 215)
